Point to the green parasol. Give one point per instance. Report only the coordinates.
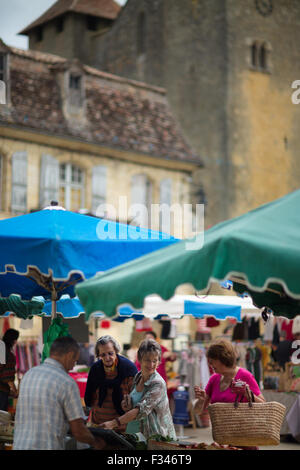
(21, 308)
(259, 251)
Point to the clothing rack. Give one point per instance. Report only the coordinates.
(27, 355)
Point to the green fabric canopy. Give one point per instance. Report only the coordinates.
(259, 251)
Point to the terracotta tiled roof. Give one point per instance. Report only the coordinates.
(102, 8)
(120, 113)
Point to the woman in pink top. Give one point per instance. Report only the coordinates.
(228, 379)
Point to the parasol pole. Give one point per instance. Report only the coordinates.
(53, 303)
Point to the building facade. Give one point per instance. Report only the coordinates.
(94, 142)
(228, 67)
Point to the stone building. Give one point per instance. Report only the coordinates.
(228, 67)
(72, 133)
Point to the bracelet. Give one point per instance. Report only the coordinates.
(118, 422)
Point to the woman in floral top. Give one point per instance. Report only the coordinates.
(147, 406)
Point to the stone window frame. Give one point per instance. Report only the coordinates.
(74, 95)
(255, 49)
(68, 184)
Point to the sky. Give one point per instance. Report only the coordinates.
(15, 15)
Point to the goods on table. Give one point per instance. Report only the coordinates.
(176, 446)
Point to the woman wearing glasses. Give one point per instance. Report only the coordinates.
(147, 406)
(109, 380)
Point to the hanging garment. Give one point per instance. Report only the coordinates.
(253, 329)
(173, 330)
(287, 326)
(240, 332)
(201, 325)
(211, 322)
(182, 368)
(166, 328)
(143, 325)
(275, 339)
(241, 352)
(269, 329)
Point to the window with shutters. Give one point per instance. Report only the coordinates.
(260, 56)
(99, 182)
(75, 90)
(49, 180)
(141, 199)
(165, 224)
(71, 187)
(19, 183)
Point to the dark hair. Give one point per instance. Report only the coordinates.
(151, 333)
(223, 351)
(63, 345)
(148, 346)
(9, 337)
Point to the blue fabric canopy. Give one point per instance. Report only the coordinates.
(47, 252)
(71, 308)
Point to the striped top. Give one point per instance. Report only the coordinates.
(107, 411)
(48, 400)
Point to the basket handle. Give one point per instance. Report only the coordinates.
(248, 396)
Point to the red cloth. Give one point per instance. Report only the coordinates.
(81, 380)
(211, 322)
(287, 326)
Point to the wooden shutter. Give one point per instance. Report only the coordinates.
(99, 183)
(141, 195)
(165, 200)
(49, 181)
(19, 183)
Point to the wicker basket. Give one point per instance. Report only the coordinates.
(244, 425)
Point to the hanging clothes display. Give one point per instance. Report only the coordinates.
(193, 368)
(27, 356)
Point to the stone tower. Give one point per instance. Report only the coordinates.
(228, 67)
(70, 28)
